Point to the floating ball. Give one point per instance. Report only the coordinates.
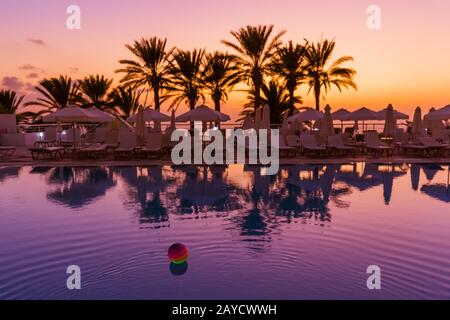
(178, 253)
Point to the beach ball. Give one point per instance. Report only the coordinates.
(178, 253)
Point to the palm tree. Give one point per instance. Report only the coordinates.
(255, 50)
(150, 69)
(318, 75)
(96, 89)
(57, 93)
(289, 65)
(9, 101)
(125, 100)
(220, 76)
(186, 71)
(276, 96)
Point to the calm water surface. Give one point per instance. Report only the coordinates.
(309, 232)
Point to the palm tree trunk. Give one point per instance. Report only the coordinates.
(217, 108)
(317, 95)
(291, 101)
(257, 97)
(156, 96)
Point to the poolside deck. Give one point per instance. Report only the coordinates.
(22, 157)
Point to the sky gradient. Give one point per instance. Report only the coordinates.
(406, 63)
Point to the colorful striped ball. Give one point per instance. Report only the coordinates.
(178, 253)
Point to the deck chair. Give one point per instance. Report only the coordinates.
(92, 151)
(336, 145)
(127, 145)
(285, 150)
(375, 145)
(6, 151)
(47, 153)
(433, 147)
(50, 138)
(309, 145)
(153, 145)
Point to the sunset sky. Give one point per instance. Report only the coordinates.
(406, 63)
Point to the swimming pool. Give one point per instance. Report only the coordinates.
(308, 233)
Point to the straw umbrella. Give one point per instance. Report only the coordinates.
(389, 123)
(326, 124)
(203, 113)
(340, 115)
(150, 115)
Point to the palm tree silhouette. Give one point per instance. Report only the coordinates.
(255, 50)
(276, 96)
(150, 69)
(220, 76)
(9, 101)
(125, 100)
(318, 75)
(186, 71)
(95, 90)
(57, 93)
(289, 65)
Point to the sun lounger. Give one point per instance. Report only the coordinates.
(153, 146)
(336, 145)
(376, 146)
(434, 148)
(93, 151)
(50, 135)
(6, 151)
(285, 150)
(309, 145)
(127, 145)
(47, 153)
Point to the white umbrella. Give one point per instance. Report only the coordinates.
(150, 115)
(75, 114)
(203, 113)
(340, 114)
(390, 126)
(434, 124)
(417, 125)
(308, 115)
(326, 124)
(440, 114)
(362, 114)
(396, 114)
(104, 116)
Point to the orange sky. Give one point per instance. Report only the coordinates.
(406, 63)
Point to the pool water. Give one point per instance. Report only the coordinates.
(309, 232)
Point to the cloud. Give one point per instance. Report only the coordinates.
(39, 42)
(27, 66)
(12, 83)
(33, 75)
